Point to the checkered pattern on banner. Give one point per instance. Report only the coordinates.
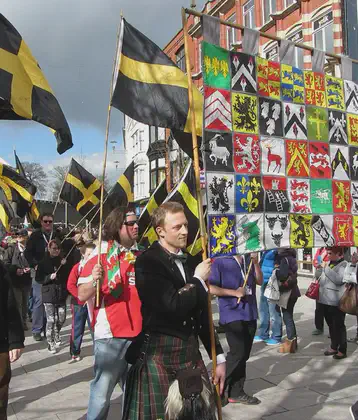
(280, 153)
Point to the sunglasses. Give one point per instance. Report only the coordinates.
(48, 221)
(130, 223)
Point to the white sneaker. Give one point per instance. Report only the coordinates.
(58, 342)
(52, 349)
(76, 358)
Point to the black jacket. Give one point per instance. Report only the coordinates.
(13, 260)
(36, 247)
(11, 331)
(53, 291)
(168, 307)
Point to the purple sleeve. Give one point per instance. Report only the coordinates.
(215, 275)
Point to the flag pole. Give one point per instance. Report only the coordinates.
(59, 194)
(199, 199)
(98, 288)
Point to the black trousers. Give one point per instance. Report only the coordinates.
(319, 316)
(240, 336)
(337, 329)
(287, 315)
(5, 376)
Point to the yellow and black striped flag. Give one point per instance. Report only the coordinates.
(185, 194)
(24, 90)
(150, 88)
(6, 214)
(157, 198)
(31, 209)
(122, 192)
(81, 189)
(17, 189)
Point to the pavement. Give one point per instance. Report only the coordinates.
(301, 386)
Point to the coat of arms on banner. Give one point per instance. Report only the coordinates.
(270, 117)
(273, 156)
(315, 88)
(216, 72)
(355, 230)
(292, 84)
(320, 163)
(337, 127)
(322, 226)
(353, 162)
(221, 193)
(218, 152)
(277, 230)
(276, 197)
(247, 154)
(294, 121)
(321, 196)
(351, 95)
(299, 194)
(301, 234)
(342, 200)
(250, 231)
(317, 123)
(297, 158)
(339, 162)
(243, 72)
(244, 113)
(217, 109)
(343, 229)
(268, 78)
(222, 235)
(352, 123)
(249, 194)
(354, 195)
(335, 96)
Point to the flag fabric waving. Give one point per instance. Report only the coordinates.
(147, 76)
(81, 189)
(6, 214)
(24, 90)
(281, 156)
(32, 210)
(185, 194)
(122, 192)
(156, 199)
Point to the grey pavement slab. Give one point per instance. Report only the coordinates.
(302, 386)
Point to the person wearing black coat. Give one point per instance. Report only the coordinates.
(11, 337)
(286, 264)
(52, 272)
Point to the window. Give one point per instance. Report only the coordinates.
(298, 54)
(153, 134)
(248, 10)
(269, 7)
(135, 141)
(323, 33)
(288, 3)
(231, 32)
(141, 183)
(157, 172)
(141, 140)
(136, 174)
(180, 58)
(271, 52)
(161, 175)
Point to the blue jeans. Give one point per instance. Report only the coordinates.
(110, 368)
(79, 319)
(270, 315)
(38, 310)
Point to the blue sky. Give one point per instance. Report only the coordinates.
(74, 43)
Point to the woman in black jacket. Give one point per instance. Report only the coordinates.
(52, 273)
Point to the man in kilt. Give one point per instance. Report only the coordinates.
(175, 313)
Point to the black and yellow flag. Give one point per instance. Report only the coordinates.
(6, 214)
(31, 209)
(156, 199)
(150, 88)
(122, 192)
(24, 90)
(81, 189)
(185, 194)
(17, 189)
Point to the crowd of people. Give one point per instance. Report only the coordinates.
(153, 309)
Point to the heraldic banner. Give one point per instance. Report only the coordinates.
(280, 153)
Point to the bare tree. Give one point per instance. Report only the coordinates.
(36, 174)
(58, 174)
(107, 184)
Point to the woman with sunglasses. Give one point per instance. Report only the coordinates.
(52, 272)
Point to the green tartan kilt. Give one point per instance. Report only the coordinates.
(148, 380)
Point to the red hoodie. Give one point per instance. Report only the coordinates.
(72, 283)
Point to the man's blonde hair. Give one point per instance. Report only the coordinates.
(160, 212)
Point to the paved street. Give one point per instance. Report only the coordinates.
(302, 386)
